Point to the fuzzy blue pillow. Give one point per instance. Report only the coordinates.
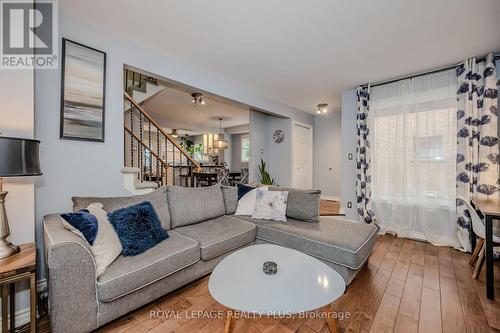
(243, 189)
(138, 228)
(84, 222)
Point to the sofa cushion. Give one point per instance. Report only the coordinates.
(138, 228)
(230, 194)
(343, 242)
(157, 198)
(302, 204)
(220, 235)
(128, 274)
(189, 205)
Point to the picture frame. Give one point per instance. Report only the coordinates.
(83, 92)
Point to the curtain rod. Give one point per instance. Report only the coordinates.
(496, 56)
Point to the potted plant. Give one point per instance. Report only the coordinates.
(265, 177)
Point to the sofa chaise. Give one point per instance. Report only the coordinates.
(202, 230)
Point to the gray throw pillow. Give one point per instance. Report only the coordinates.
(157, 198)
(190, 205)
(230, 194)
(302, 204)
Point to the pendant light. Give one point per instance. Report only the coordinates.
(322, 108)
(220, 143)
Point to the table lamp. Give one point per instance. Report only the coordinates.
(18, 158)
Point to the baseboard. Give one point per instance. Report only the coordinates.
(330, 197)
(22, 317)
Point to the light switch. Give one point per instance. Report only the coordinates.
(349, 156)
(349, 204)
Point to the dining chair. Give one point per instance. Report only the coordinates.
(244, 176)
(223, 176)
(478, 255)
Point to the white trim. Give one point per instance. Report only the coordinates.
(311, 153)
(330, 197)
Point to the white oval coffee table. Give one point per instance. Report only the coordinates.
(301, 284)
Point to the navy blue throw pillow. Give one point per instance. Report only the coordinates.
(243, 189)
(138, 228)
(84, 222)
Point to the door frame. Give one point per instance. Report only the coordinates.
(311, 152)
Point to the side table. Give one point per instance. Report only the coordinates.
(20, 266)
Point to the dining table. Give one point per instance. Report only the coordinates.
(211, 177)
(490, 209)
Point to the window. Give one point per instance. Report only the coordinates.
(245, 148)
(413, 150)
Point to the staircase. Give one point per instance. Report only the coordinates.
(151, 154)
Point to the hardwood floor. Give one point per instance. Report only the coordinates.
(407, 286)
(329, 208)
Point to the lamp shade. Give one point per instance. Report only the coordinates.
(19, 157)
(220, 143)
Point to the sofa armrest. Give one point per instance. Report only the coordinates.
(71, 275)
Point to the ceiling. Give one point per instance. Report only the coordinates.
(300, 52)
(173, 108)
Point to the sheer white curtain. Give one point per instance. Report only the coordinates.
(413, 150)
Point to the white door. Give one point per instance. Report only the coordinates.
(302, 156)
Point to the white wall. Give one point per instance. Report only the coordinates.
(83, 168)
(17, 120)
(327, 154)
(348, 167)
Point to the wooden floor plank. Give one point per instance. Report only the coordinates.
(430, 311)
(451, 309)
(431, 267)
(474, 317)
(385, 318)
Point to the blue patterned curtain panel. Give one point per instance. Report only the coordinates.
(363, 176)
(477, 138)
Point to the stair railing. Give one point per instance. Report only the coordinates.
(148, 147)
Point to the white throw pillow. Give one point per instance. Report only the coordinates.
(246, 205)
(270, 205)
(107, 246)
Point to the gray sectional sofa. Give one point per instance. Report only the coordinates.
(202, 230)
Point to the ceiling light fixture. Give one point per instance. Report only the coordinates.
(220, 143)
(198, 98)
(322, 108)
(174, 133)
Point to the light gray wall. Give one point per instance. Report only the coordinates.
(17, 120)
(84, 168)
(259, 145)
(236, 164)
(280, 154)
(327, 154)
(348, 167)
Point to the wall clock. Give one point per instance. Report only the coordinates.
(278, 136)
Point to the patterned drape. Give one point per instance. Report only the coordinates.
(477, 138)
(363, 177)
